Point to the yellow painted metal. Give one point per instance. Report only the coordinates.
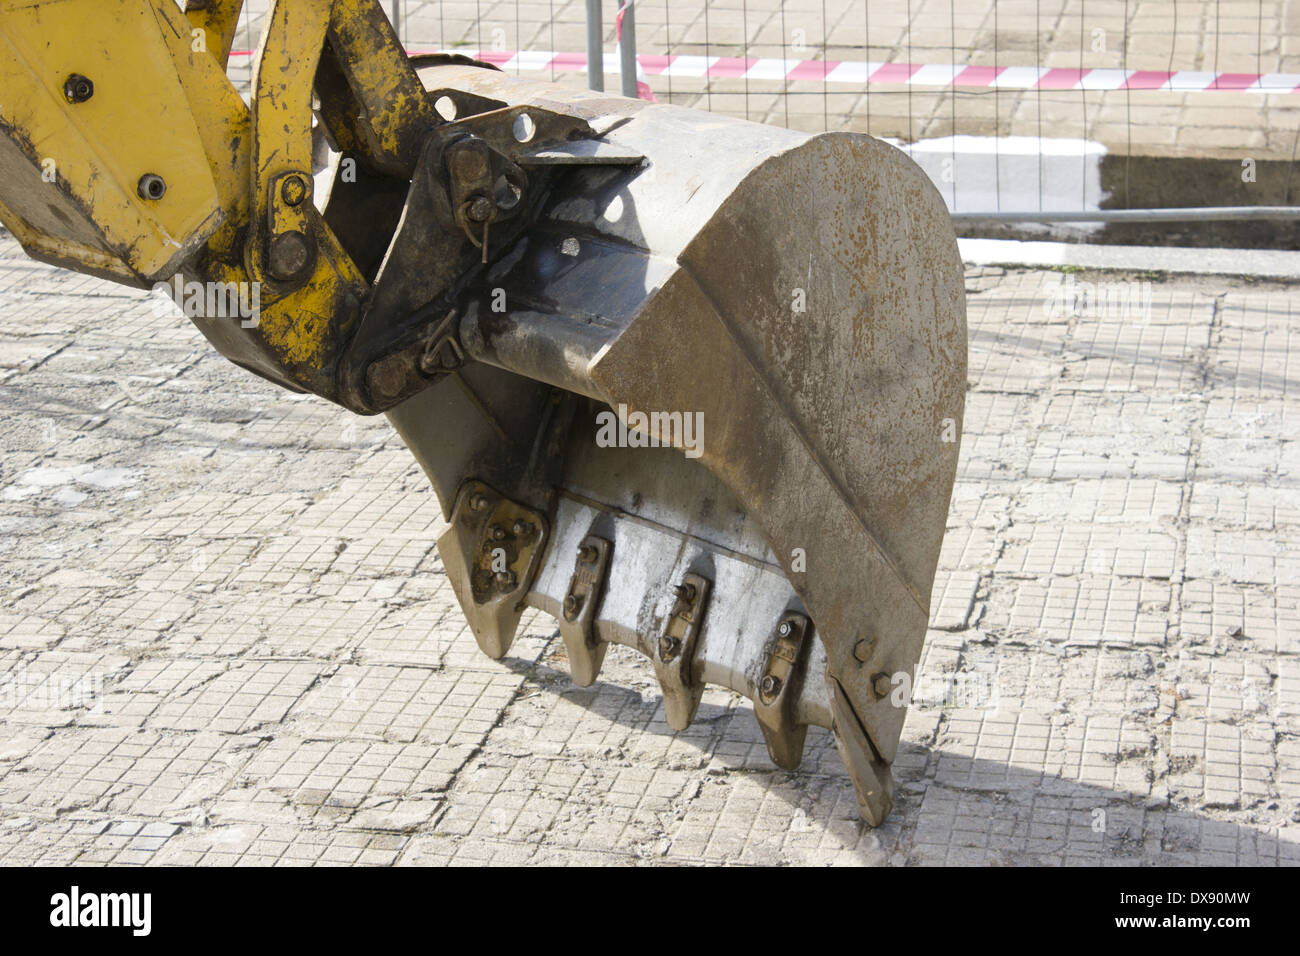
(163, 106)
(155, 110)
(395, 111)
(282, 85)
(217, 20)
(308, 328)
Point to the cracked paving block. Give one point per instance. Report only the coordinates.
(1085, 610)
(1250, 507)
(1219, 765)
(1045, 549)
(1124, 501)
(1132, 357)
(1250, 557)
(123, 772)
(1225, 617)
(405, 704)
(229, 698)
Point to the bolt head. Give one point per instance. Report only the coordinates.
(521, 528)
(480, 209)
(151, 186)
(505, 578)
(862, 651)
(668, 647)
(496, 532)
(880, 685)
(290, 255)
(78, 89)
(686, 592)
(785, 629)
(587, 554)
(770, 686)
(293, 190)
(477, 501)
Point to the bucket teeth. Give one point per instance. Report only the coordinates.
(872, 781)
(578, 611)
(675, 653)
(491, 552)
(779, 687)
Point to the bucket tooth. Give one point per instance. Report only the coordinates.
(674, 656)
(578, 612)
(779, 687)
(491, 552)
(872, 780)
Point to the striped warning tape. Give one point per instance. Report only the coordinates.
(857, 72)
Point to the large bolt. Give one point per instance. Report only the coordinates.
(78, 88)
(668, 647)
(151, 187)
(293, 190)
(479, 209)
(770, 686)
(785, 629)
(862, 650)
(470, 161)
(505, 578)
(572, 604)
(880, 685)
(478, 501)
(290, 255)
(685, 592)
(385, 380)
(587, 554)
(497, 533)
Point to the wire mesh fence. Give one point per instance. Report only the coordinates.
(1012, 106)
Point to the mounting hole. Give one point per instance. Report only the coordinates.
(151, 186)
(446, 107)
(524, 128)
(506, 194)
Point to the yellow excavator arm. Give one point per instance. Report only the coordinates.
(685, 383)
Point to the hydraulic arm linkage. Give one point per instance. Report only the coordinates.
(553, 295)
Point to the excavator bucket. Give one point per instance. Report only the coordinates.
(685, 383)
(711, 413)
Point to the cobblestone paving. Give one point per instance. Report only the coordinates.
(226, 637)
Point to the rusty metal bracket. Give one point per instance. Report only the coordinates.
(491, 552)
(778, 690)
(675, 654)
(586, 587)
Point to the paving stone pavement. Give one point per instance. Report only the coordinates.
(226, 636)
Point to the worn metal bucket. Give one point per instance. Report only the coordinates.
(710, 410)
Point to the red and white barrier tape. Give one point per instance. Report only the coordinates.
(857, 72)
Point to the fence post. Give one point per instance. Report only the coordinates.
(627, 49)
(595, 51)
